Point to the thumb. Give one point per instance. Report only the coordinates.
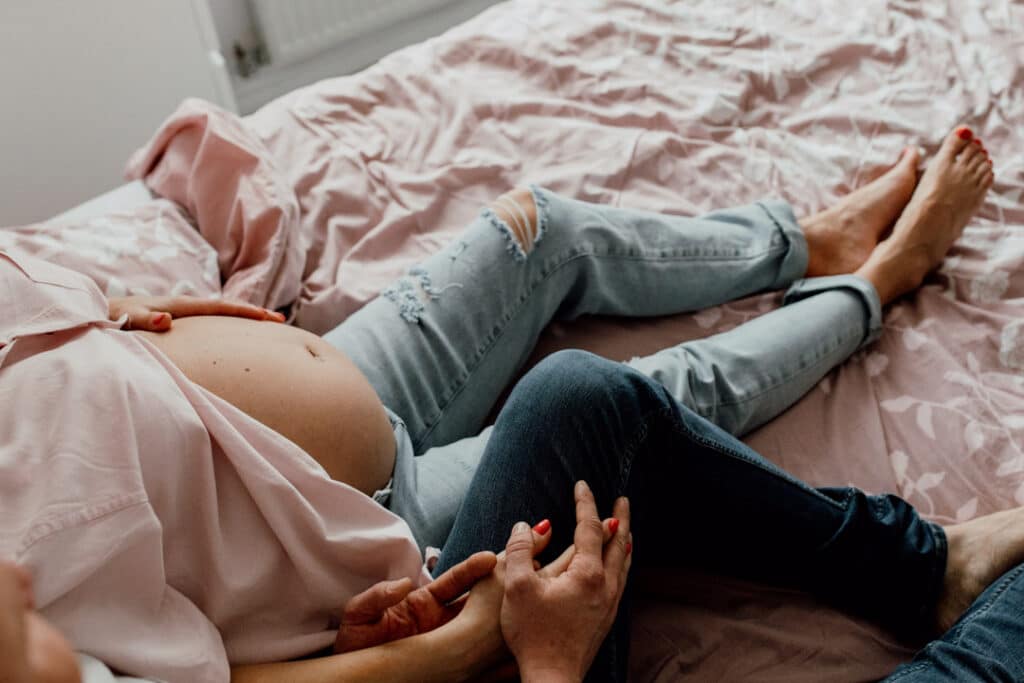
(519, 554)
(370, 605)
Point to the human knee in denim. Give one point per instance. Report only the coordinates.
(519, 215)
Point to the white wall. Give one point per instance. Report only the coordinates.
(84, 83)
(235, 22)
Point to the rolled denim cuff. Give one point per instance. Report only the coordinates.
(794, 264)
(864, 290)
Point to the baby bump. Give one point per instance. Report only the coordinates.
(293, 382)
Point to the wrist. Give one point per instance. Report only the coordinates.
(468, 652)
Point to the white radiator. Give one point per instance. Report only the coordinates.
(298, 29)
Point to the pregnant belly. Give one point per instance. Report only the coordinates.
(293, 382)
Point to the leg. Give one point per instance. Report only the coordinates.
(442, 366)
(743, 378)
(697, 495)
(737, 380)
(468, 317)
(442, 344)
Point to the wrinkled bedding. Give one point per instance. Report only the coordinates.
(318, 200)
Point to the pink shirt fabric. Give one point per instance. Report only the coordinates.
(169, 534)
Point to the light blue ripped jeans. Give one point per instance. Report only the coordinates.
(441, 344)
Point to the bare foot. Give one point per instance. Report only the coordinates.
(949, 193)
(841, 238)
(980, 551)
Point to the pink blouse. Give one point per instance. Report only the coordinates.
(169, 534)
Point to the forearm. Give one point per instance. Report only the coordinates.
(440, 656)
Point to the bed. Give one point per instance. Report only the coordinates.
(315, 202)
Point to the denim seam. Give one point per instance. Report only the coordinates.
(626, 468)
(641, 434)
(736, 455)
(560, 261)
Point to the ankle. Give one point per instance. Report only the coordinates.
(893, 275)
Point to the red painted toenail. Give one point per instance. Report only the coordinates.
(965, 134)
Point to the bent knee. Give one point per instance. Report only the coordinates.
(518, 217)
(577, 379)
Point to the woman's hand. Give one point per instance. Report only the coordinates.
(154, 313)
(392, 609)
(554, 623)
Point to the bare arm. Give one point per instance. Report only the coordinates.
(434, 656)
(460, 650)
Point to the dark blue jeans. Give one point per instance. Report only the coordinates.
(700, 497)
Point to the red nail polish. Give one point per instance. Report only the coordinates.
(543, 527)
(158, 318)
(613, 524)
(965, 133)
(629, 548)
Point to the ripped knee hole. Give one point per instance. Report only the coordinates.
(518, 211)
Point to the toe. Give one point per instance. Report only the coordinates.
(974, 158)
(909, 157)
(979, 172)
(958, 139)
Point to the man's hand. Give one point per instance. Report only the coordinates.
(392, 609)
(31, 649)
(554, 622)
(154, 313)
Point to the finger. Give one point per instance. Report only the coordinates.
(540, 542)
(541, 536)
(370, 605)
(615, 551)
(558, 566)
(462, 577)
(624, 573)
(142, 318)
(519, 554)
(589, 530)
(187, 306)
(611, 525)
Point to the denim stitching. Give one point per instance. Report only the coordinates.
(909, 670)
(685, 431)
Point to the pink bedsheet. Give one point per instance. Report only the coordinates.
(333, 190)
